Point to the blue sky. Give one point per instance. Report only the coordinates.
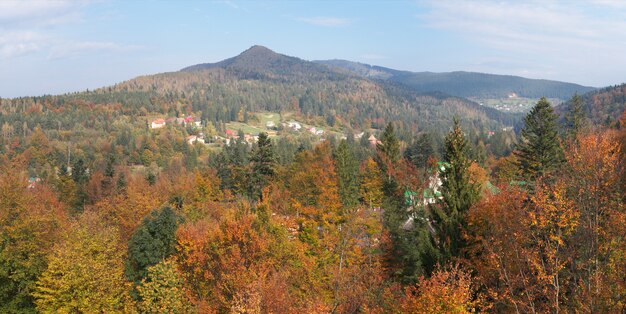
(58, 46)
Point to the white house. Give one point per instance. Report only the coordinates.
(294, 125)
(157, 124)
(192, 139)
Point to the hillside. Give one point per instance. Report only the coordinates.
(261, 80)
(465, 84)
(602, 106)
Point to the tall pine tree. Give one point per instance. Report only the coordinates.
(539, 151)
(390, 146)
(575, 119)
(420, 150)
(347, 168)
(263, 165)
(458, 192)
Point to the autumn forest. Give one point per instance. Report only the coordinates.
(268, 184)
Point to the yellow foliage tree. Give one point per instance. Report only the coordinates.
(85, 273)
(372, 186)
(163, 291)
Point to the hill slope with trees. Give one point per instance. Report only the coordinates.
(465, 84)
(603, 106)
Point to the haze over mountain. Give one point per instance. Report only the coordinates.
(465, 84)
(259, 79)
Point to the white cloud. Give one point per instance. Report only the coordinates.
(28, 27)
(563, 34)
(15, 44)
(39, 13)
(514, 23)
(325, 21)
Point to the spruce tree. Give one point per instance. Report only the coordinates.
(347, 168)
(153, 241)
(420, 150)
(539, 151)
(390, 146)
(263, 165)
(458, 193)
(575, 119)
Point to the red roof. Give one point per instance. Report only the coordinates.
(158, 121)
(230, 132)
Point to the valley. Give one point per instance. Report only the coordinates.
(265, 183)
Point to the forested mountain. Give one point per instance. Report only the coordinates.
(603, 106)
(163, 195)
(465, 84)
(259, 79)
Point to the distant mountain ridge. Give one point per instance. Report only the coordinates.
(260, 79)
(603, 106)
(465, 84)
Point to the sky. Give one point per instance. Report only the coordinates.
(61, 46)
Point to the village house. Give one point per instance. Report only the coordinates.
(294, 125)
(33, 181)
(315, 131)
(157, 124)
(373, 140)
(191, 139)
(192, 121)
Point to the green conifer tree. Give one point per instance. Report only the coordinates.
(263, 165)
(420, 150)
(390, 146)
(153, 241)
(539, 151)
(347, 168)
(575, 118)
(458, 193)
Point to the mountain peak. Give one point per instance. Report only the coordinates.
(258, 49)
(259, 61)
(254, 56)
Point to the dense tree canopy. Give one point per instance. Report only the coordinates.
(314, 192)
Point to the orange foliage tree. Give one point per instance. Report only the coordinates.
(240, 262)
(31, 221)
(446, 291)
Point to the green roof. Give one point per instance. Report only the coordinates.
(492, 188)
(442, 165)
